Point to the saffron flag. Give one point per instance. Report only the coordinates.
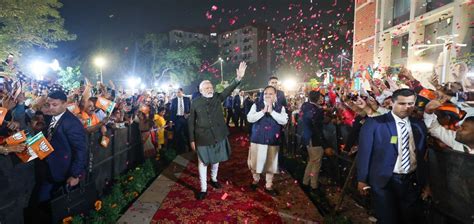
(106, 105)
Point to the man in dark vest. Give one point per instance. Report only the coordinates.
(268, 117)
(208, 131)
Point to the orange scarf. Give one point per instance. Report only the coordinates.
(89, 120)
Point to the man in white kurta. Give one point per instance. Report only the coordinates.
(268, 117)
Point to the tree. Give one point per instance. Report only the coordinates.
(70, 78)
(30, 23)
(181, 62)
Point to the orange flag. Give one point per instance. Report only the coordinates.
(3, 113)
(17, 138)
(105, 104)
(38, 147)
(73, 108)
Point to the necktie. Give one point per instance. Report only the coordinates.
(51, 126)
(405, 147)
(180, 107)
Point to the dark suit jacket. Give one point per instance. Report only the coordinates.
(236, 105)
(228, 103)
(206, 121)
(311, 121)
(174, 107)
(70, 148)
(247, 105)
(377, 155)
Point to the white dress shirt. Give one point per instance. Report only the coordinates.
(180, 105)
(56, 119)
(411, 144)
(253, 116)
(447, 136)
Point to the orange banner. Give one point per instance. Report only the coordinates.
(17, 138)
(38, 147)
(3, 113)
(105, 104)
(73, 108)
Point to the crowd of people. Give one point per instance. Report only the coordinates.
(64, 118)
(387, 125)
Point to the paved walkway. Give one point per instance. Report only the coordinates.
(171, 197)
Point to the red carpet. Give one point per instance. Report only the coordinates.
(235, 202)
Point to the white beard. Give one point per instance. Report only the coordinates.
(210, 95)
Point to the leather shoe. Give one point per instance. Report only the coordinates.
(216, 184)
(201, 195)
(253, 186)
(271, 192)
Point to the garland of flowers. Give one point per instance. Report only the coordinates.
(126, 189)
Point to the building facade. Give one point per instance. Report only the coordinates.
(250, 44)
(184, 37)
(411, 33)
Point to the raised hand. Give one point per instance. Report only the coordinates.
(432, 106)
(241, 70)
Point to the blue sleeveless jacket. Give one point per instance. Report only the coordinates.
(266, 131)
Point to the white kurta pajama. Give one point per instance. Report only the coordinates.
(264, 158)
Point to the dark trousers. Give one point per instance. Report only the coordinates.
(399, 201)
(239, 118)
(180, 134)
(230, 115)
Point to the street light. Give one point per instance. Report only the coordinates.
(328, 78)
(222, 70)
(99, 61)
(220, 60)
(133, 82)
(39, 68)
(342, 57)
(448, 41)
(290, 84)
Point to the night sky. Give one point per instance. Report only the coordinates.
(104, 24)
(93, 20)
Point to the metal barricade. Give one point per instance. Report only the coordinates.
(124, 151)
(452, 183)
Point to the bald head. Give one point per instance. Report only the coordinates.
(206, 89)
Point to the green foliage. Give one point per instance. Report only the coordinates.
(181, 63)
(70, 78)
(28, 23)
(221, 86)
(314, 83)
(126, 189)
(168, 155)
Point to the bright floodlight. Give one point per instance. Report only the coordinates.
(39, 68)
(290, 84)
(54, 65)
(99, 61)
(133, 82)
(142, 86)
